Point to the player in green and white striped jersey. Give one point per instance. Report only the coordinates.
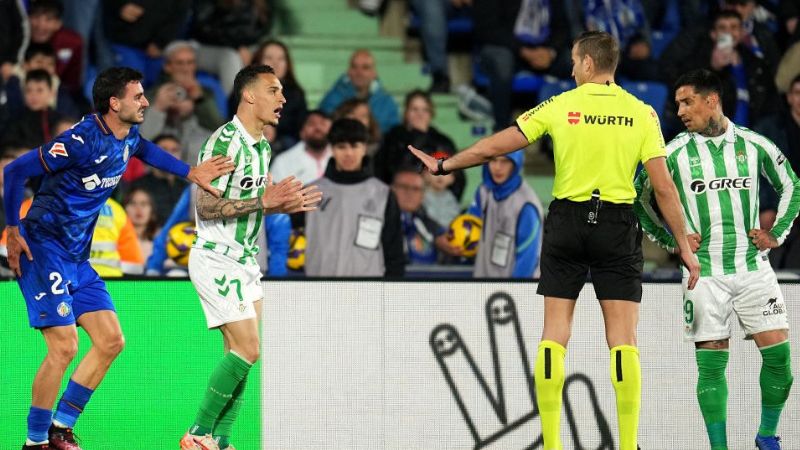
(222, 266)
(716, 165)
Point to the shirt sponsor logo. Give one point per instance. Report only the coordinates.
(699, 186)
(249, 182)
(592, 119)
(573, 117)
(58, 149)
(93, 181)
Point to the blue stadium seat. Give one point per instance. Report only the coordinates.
(138, 59)
(211, 82)
(89, 77)
(524, 82)
(652, 93)
(554, 86)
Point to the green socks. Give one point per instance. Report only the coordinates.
(224, 425)
(712, 394)
(225, 378)
(626, 376)
(776, 381)
(549, 375)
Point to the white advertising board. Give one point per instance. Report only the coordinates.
(440, 365)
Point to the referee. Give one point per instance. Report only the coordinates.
(600, 134)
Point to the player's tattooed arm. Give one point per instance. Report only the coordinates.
(212, 208)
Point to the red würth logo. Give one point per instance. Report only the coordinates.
(573, 117)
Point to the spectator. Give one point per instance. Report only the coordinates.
(164, 188)
(140, 30)
(36, 123)
(47, 28)
(12, 22)
(40, 56)
(784, 130)
(418, 131)
(356, 231)
(85, 17)
(181, 106)
(423, 238)
(755, 36)
(511, 38)
(627, 22)
(226, 31)
(439, 199)
(748, 89)
(276, 55)
(308, 159)
(359, 110)
(115, 248)
(361, 81)
(511, 237)
(141, 211)
(433, 30)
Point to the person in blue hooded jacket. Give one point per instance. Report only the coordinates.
(511, 238)
(276, 226)
(361, 81)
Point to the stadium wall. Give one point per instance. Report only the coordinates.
(372, 365)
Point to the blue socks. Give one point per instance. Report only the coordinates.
(38, 424)
(71, 404)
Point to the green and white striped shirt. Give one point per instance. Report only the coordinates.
(236, 237)
(718, 185)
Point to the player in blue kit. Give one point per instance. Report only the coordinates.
(49, 250)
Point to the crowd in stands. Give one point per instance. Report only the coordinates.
(386, 214)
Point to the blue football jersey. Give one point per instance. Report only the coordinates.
(83, 166)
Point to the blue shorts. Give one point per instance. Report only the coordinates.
(58, 291)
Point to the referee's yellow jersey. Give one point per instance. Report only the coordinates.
(600, 133)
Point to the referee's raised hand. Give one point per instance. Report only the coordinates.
(428, 160)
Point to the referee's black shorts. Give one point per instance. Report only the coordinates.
(611, 249)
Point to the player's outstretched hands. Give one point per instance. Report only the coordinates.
(762, 239)
(308, 199)
(208, 171)
(276, 196)
(16, 246)
(428, 160)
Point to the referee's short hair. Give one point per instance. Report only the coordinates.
(703, 81)
(602, 47)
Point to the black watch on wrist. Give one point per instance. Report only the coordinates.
(440, 167)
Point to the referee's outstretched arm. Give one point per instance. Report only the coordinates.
(500, 143)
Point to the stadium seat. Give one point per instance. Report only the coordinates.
(653, 93)
(137, 59)
(524, 82)
(211, 82)
(554, 86)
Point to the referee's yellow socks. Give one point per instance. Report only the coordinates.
(626, 376)
(549, 376)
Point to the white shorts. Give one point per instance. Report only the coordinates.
(227, 288)
(755, 297)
